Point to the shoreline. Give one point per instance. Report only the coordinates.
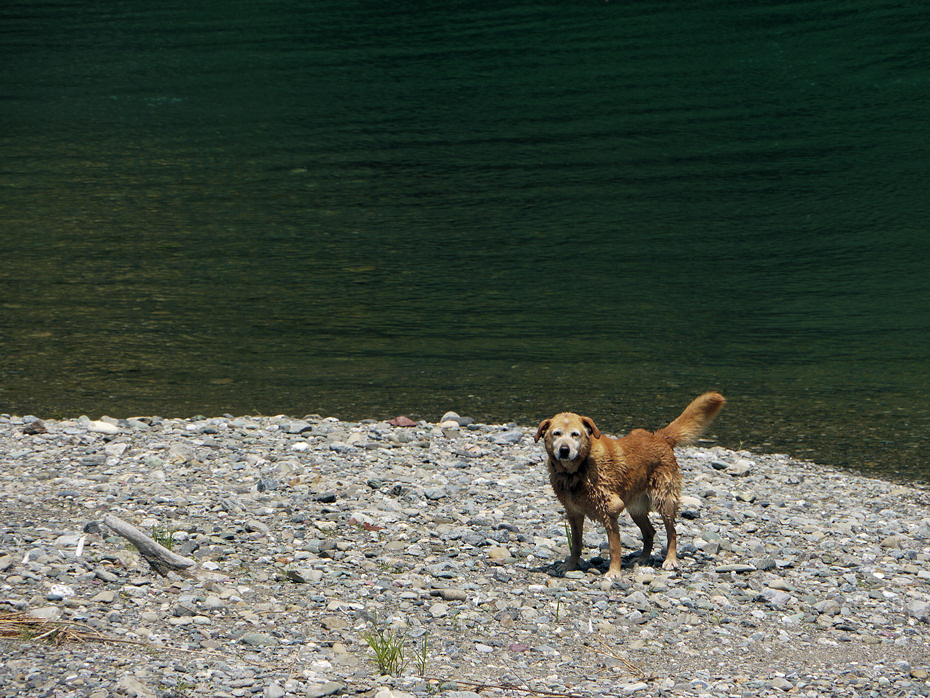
(795, 576)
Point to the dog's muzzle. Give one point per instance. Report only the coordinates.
(564, 452)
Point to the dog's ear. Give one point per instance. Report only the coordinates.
(543, 428)
(591, 427)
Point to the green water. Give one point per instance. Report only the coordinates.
(363, 210)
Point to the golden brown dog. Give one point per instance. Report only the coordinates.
(598, 477)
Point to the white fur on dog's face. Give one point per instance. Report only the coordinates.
(565, 443)
(568, 439)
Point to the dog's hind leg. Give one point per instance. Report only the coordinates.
(671, 556)
(666, 493)
(641, 519)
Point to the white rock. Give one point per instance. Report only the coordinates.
(132, 687)
(115, 449)
(102, 427)
(60, 591)
(45, 613)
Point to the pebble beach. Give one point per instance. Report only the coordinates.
(314, 537)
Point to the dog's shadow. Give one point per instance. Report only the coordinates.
(694, 562)
(596, 563)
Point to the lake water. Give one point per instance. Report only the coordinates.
(507, 209)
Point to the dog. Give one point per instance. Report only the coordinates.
(596, 476)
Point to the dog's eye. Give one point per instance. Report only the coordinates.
(557, 433)
(576, 434)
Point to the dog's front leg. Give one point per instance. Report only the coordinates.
(576, 522)
(616, 552)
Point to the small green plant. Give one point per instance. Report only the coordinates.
(184, 688)
(388, 647)
(26, 633)
(391, 567)
(568, 535)
(420, 657)
(162, 536)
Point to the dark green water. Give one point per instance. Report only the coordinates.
(362, 210)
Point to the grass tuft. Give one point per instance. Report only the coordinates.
(420, 658)
(162, 536)
(388, 647)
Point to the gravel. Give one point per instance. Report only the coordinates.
(311, 534)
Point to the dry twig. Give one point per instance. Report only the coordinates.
(22, 626)
(626, 662)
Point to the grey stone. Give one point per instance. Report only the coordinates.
(828, 607)
(267, 484)
(45, 613)
(919, 610)
(256, 639)
(775, 597)
(452, 594)
(512, 437)
(298, 427)
(105, 575)
(304, 575)
(273, 690)
(444, 570)
(132, 687)
(453, 417)
(741, 568)
(213, 603)
(34, 425)
(184, 609)
(330, 688)
(762, 563)
(739, 469)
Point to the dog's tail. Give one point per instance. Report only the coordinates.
(697, 416)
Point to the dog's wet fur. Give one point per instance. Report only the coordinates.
(598, 477)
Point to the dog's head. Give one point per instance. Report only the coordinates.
(568, 439)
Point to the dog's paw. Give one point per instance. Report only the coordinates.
(568, 565)
(612, 574)
(670, 564)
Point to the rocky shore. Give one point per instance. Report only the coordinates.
(311, 535)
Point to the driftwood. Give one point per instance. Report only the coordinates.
(159, 557)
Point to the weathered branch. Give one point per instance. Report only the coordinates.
(159, 557)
